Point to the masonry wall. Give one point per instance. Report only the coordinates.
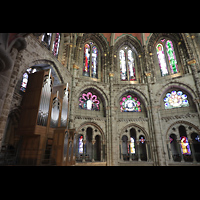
(154, 123)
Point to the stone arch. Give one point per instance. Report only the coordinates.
(176, 37)
(99, 92)
(46, 62)
(181, 48)
(175, 84)
(137, 127)
(96, 142)
(177, 124)
(94, 125)
(135, 45)
(98, 39)
(130, 41)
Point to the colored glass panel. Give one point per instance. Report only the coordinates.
(175, 100)
(171, 57)
(94, 61)
(130, 104)
(86, 67)
(123, 65)
(80, 149)
(56, 44)
(161, 59)
(131, 67)
(24, 82)
(89, 102)
(132, 145)
(185, 147)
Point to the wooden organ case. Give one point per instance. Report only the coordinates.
(43, 121)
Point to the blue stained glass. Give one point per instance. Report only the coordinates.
(179, 93)
(165, 99)
(184, 96)
(175, 100)
(168, 95)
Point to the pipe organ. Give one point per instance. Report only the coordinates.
(43, 121)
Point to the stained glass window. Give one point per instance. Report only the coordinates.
(122, 65)
(46, 39)
(25, 78)
(56, 44)
(132, 145)
(171, 57)
(80, 145)
(89, 102)
(175, 100)
(94, 61)
(131, 67)
(161, 59)
(86, 68)
(90, 68)
(127, 64)
(24, 82)
(130, 104)
(142, 139)
(166, 57)
(185, 147)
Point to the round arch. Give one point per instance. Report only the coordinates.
(175, 84)
(43, 63)
(130, 41)
(97, 90)
(154, 37)
(85, 125)
(177, 124)
(140, 131)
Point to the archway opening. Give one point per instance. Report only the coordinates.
(97, 146)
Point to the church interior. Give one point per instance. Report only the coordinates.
(100, 99)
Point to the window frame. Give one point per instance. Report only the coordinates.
(98, 76)
(179, 68)
(126, 48)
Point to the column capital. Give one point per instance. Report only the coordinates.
(191, 61)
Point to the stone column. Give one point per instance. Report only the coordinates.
(138, 148)
(129, 144)
(93, 142)
(147, 150)
(84, 147)
(192, 151)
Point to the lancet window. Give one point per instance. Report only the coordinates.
(127, 64)
(90, 60)
(166, 57)
(56, 44)
(24, 81)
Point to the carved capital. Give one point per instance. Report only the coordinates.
(148, 73)
(75, 66)
(191, 61)
(111, 74)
